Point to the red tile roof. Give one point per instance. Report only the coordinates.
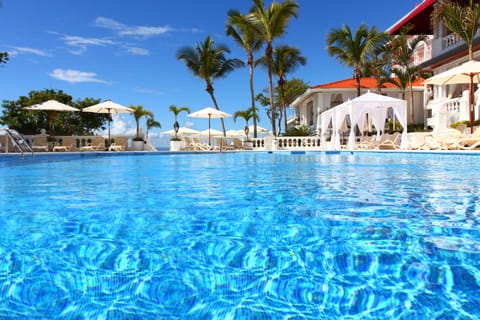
(365, 83)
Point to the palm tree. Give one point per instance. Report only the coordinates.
(271, 23)
(246, 115)
(286, 59)
(207, 61)
(152, 123)
(176, 111)
(464, 21)
(377, 64)
(402, 49)
(139, 112)
(239, 28)
(353, 49)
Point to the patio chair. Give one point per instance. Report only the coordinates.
(221, 144)
(40, 143)
(120, 144)
(391, 142)
(68, 144)
(98, 144)
(237, 144)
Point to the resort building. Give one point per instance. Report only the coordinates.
(436, 107)
(444, 104)
(320, 98)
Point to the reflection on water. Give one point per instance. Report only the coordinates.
(241, 236)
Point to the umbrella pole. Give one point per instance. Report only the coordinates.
(209, 138)
(471, 102)
(108, 142)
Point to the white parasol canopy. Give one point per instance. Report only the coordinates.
(109, 107)
(182, 131)
(212, 132)
(52, 106)
(209, 113)
(468, 72)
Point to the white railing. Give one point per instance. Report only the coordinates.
(450, 40)
(288, 143)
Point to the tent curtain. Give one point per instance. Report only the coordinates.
(373, 105)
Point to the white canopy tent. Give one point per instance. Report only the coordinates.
(375, 106)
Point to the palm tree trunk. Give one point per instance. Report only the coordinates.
(412, 109)
(252, 93)
(268, 54)
(357, 80)
(216, 107)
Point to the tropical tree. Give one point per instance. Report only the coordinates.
(286, 60)
(402, 50)
(378, 65)
(3, 57)
(176, 111)
(464, 21)
(207, 61)
(242, 32)
(28, 122)
(152, 123)
(246, 115)
(138, 113)
(353, 49)
(292, 90)
(271, 23)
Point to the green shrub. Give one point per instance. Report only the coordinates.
(299, 131)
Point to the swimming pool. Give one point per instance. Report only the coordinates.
(242, 236)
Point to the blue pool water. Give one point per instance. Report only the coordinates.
(242, 236)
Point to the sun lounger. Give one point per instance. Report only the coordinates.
(222, 145)
(40, 143)
(68, 144)
(390, 142)
(193, 144)
(118, 145)
(98, 144)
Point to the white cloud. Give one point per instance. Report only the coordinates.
(147, 90)
(75, 76)
(125, 30)
(81, 44)
(137, 51)
(24, 50)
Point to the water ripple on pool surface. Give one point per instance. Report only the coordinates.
(241, 236)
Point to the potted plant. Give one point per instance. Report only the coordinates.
(139, 112)
(176, 141)
(246, 115)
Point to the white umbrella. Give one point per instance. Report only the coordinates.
(184, 131)
(212, 132)
(259, 129)
(468, 72)
(209, 113)
(110, 108)
(52, 106)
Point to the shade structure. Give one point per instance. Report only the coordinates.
(52, 106)
(212, 132)
(468, 72)
(209, 113)
(108, 107)
(374, 105)
(183, 131)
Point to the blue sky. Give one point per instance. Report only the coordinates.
(125, 50)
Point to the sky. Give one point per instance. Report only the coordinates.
(126, 51)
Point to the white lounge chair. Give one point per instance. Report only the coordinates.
(390, 142)
(40, 143)
(98, 144)
(68, 144)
